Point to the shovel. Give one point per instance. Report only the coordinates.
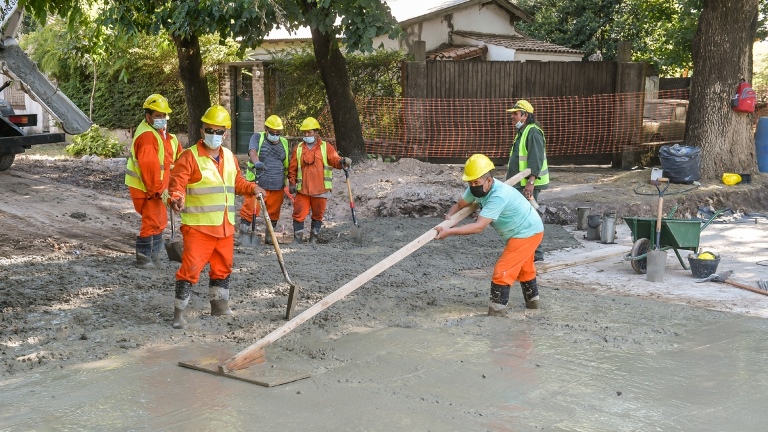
(173, 246)
(357, 231)
(293, 294)
(252, 239)
(657, 258)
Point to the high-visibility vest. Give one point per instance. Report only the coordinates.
(207, 199)
(249, 175)
(522, 154)
(132, 168)
(327, 170)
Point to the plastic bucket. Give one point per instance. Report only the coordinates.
(761, 144)
(703, 268)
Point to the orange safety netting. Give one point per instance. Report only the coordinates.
(572, 125)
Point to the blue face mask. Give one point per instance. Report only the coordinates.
(159, 123)
(309, 140)
(213, 141)
(273, 138)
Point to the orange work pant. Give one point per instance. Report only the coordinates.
(303, 203)
(201, 249)
(154, 215)
(516, 261)
(273, 199)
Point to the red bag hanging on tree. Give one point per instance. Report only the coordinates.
(745, 99)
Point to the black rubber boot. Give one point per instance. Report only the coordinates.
(144, 253)
(298, 232)
(183, 291)
(218, 293)
(267, 237)
(530, 293)
(158, 245)
(499, 300)
(314, 232)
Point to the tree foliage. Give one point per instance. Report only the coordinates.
(661, 31)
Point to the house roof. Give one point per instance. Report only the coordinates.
(453, 52)
(407, 13)
(518, 43)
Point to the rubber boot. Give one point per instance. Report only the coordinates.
(144, 253)
(158, 245)
(267, 237)
(218, 293)
(298, 232)
(314, 232)
(499, 300)
(530, 293)
(183, 291)
(245, 226)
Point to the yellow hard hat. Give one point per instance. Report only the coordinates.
(157, 102)
(477, 165)
(522, 105)
(274, 122)
(706, 256)
(731, 179)
(309, 123)
(217, 115)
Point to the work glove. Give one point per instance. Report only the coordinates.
(259, 166)
(346, 162)
(292, 189)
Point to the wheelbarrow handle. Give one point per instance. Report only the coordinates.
(717, 213)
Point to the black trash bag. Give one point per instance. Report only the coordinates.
(680, 163)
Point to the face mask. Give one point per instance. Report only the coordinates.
(309, 140)
(213, 141)
(518, 125)
(477, 191)
(159, 123)
(273, 138)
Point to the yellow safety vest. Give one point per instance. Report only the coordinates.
(249, 175)
(208, 199)
(543, 177)
(132, 168)
(327, 170)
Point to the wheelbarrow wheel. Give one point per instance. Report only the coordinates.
(640, 248)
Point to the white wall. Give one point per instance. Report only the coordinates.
(544, 56)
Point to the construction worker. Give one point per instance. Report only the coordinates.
(204, 182)
(513, 217)
(147, 175)
(528, 151)
(271, 162)
(309, 177)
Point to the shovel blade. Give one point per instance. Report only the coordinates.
(357, 234)
(250, 240)
(657, 260)
(174, 249)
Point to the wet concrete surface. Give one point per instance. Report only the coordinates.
(584, 362)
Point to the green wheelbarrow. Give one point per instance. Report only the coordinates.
(676, 234)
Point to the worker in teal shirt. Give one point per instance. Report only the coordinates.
(512, 216)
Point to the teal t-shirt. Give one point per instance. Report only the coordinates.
(512, 214)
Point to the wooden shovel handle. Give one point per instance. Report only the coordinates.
(746, 287)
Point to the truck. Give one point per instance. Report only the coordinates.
(18, 68)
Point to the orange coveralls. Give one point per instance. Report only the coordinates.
(205, 244)
(312, 176)
(154, 215)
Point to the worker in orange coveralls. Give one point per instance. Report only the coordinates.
(147, 175)
(203, 186)
(310, 176)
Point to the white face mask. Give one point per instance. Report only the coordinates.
(213, 141)
(309, 140)
(518, 125)
(159, 123)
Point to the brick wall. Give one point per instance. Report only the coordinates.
(225, 97)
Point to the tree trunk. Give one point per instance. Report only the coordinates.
(333, 71)
(722, 56)
(194, 81)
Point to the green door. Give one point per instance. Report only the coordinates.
(244, 122)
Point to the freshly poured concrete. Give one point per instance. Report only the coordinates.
(585, 362)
